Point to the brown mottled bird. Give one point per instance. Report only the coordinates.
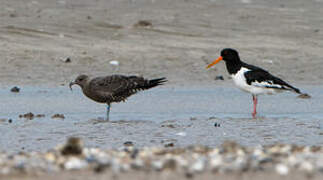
(114, 88)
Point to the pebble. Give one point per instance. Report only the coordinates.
(66, 60)
(114, 63)
(219, 78)
(143, 23)
(282, 169)
(230, 157)
(15, 89)
(217, 125)
(181, 134)
(75, 163)
(58, 116)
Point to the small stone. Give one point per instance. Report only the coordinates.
(169, 145)
(306, 166)
(15, 89)
(219, 78)
(217, 125)
(10, 121)
(40, 115)
(168, 125)
(89, 17)
(75, 163)
(282, 169)
(29, 116)
(13, 15)
(66, 60)
(74, 146)
(114, 63)
(143, 23)
(170, 164)
(181, 134)
(198, 166)
(60, 116)
(128, 143)
(193, 118)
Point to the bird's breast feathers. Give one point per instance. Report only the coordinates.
(255, 87)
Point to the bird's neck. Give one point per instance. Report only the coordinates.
(233, 67)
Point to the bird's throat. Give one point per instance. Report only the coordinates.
(233, 67)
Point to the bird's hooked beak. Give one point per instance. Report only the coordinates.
(71, 84)
(214, 62)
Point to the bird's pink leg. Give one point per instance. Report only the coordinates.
(255, 101)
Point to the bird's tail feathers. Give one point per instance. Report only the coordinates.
(154, 82)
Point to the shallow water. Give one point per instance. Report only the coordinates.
(181, 115)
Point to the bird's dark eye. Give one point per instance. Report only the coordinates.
(81, 79)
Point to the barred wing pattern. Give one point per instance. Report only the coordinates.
(117, 88)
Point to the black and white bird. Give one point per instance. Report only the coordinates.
(114, 88)
(252, 79)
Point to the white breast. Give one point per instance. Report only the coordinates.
(239, 80)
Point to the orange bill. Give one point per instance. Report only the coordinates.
(214, 62)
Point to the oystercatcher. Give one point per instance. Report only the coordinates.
(251, 78)
(114, 88)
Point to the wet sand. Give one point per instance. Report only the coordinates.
(182, 116)
(284, 37)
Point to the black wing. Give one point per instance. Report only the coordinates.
(260, 77)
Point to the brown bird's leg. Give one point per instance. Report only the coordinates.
(108, 112)
(255, 101)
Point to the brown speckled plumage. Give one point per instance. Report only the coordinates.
(114, 88)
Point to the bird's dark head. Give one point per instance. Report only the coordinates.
(80, 80)
(227, 55)
(230, 55)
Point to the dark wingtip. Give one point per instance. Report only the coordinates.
(156, 82)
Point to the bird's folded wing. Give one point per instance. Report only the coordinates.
(261, 78)
(115, 87)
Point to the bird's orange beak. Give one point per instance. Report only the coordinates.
(214, 62)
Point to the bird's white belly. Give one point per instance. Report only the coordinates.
(240, 80)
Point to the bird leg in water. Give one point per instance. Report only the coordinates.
(255, 101)
(108, 112)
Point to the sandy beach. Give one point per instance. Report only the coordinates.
(184, 36)
(45, 44)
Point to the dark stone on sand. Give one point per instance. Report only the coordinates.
(15, 89)
(128, 143)
(13, 15)
(143, 23)
(10, 121)
(169, 145)
(219, 78)
(193, 118)
(73, 146)
(29, 116)
(40, 115)
(67, 60)
(134, 153)
(168, 125)
(58, 116)
(217, 125)
(101, 168)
